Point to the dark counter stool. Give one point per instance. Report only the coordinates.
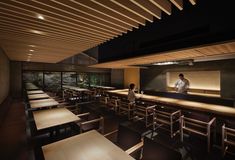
(113, 103)
(126, 108)
(228, 137)
(167, 116)
(198, 123)
(144, 111)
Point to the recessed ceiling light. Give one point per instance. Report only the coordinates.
(32, 45)
(37, 32)
(30, 54)
(31, 50)
(40, 17)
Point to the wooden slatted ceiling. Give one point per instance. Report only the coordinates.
(58, 29)
(223, 49)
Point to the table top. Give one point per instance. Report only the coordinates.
(103, 87)
(38, 96)
(31, 86)
(75, 88)
(53, 117)
(191, 105)
(86, 146)
(41, 103)
(35, 92)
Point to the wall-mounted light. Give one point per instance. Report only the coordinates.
(165, 63)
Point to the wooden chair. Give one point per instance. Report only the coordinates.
(228, 139)
(155, 151)
(113, 103)
(166, 116)
(144, 111)
(126, 138)
(103, 99)
(126, 108)
(199, 124)
(89, 122)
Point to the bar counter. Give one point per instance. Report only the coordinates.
(190, 105)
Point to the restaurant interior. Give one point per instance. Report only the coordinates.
(117, 80)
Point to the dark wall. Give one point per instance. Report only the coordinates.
(4, 75)
(154, 78)
(117, 78)
(59, 67)
(16, 79)
(209, 21)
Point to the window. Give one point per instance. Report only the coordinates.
(33, 77)
(52, 81)
(82, 80)
(69, 78)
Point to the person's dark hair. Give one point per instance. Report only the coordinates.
(181, 75)
(132, 85)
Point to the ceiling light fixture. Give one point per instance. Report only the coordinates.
(30, 54)
(32, 45)
(37, 32)
(31, 50)
(165, 63)
(40, 17)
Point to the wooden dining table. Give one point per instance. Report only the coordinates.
(43, 103)
(35, 92)
(86, 146)
(38, 96)
(53, 117)
(75, 88)
(31, 86)
(185, 104)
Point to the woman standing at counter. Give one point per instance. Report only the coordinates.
(131, 93)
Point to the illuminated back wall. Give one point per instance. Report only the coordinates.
(204, 80)
(212, 75)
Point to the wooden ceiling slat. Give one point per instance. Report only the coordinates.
(103, 10)
(52, 13)
(193, 2)
(148, 7)
(128, 5)
(164, 5)
(47, 34)
(40, 27)
(78, 15)
(66, 28)
(178, 4)
(16, 30)
(36, 40)
(19, 11)
(93, 13)
(119, 10)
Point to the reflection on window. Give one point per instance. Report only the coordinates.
(33, 77)
(69, 78)
(82, 80)
(99, 79)
(52, 81)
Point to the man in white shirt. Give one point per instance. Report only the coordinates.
(182, 85)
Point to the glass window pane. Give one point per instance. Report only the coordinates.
(82, 80)
(94, 79)
(69, 78)
(33, 77)
(52, 81)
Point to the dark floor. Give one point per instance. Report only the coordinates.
(13, 139)
(17, 143)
